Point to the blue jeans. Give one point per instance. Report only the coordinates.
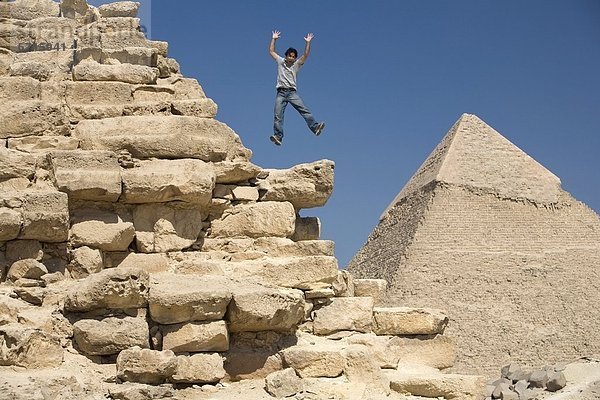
(285, 96)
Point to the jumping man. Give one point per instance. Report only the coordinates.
(287, 69)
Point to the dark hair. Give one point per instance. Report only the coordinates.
(290, 51)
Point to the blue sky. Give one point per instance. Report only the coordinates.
(390, 77)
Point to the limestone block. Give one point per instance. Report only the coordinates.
(304, 185)
(32, 69)
(110, 335)
(98, 93)
(205, 108)
(47, 65)
(361, 367)
(168, 67)
(291, 272)
(284, 383)
(25, 118)
(93, 71)
(199, 368)
(131, 55)
(163, 137)
(79, 112)
(6, 59)
(10, 309)
(163, 228)
(235, 171)
(408, 321)
(314, 361)
(152, 263)
(22, 249)
(245, 193)
(255, 308)
(85, 261)
(153, 93)
(121, 39)
(112, 24)
(29, 9)
(32, 144)
(375, 288)
(30, 348)
(146, 366)
(184, 298)
(429, 382)
(115, 288)
(194, 337)
(249, 363)
(139, 108)
(102, 231)
(187, 89)
(19, 89)
(90, 53)
(344, 314)
(119, 9)
(10, 224)
(74, 9)
(28, 268)
(344, 284)
(256, 220)
(90, 175)
(153, 181)
(307, 228)
(14, 164)
(45, 216)
(271, 246)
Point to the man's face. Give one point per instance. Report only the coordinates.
(290, 58)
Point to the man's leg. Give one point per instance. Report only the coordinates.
(298, 104)
(280, 104)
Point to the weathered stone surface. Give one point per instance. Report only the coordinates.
(110, 335)
(162, 228)
(98, 93)
(116, 288)
(85, 261)
(205, 108)
(153, 181)
(271, 246)
(74, 9)
(14, 164)
(33, 69)
(235, 171)
(152, 263)
(90, 175)
(182, 298)
(194, 337)
(28, 268)
(361, 367)
(24, 118)
(408, 321)
(163, 137)
(304, 185)
(344, 314)
(199, 368)
(45, 216)
(50, 66)
(130, 55)
(31, 144)
(29, 9)
(255, 308)
(6, 59)
(291, 272)
(129, 73)
(19, 89)
(307, 228)
(10, 309)
(145, 365)
(375, 288)
(314, 361)
(256, 220)
(284, 383)
(29, 348)
(10, 224)
(119, 9)
(102, 231)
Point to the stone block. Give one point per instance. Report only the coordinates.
(10, 224)
(245, 193)
(119, 9)
(235, 171)
(185, 298)
(22, 249)
(344, 314)
(85, 261)
(28, 268)
(29, 9)
(256, 220)
(147, 366)
(408, 321)
(205, 108)
(115, 288)
(153, 181)
(29, 348)
(255, 308)
(304, 185)
(32, 69)
(283, 383)
(19, 89)
(94, 93)
(152, 263)
(45, 216)
(129, 73)
(375, 288)
(315, 361)
(102, 231)
(194, 337)
(307, 228)
(153, 93)
(110, 335)
(166, 227)
(130, 55)
(556, 381)
(90, 175)
(199, 368)
(14, 164)
(43, 144)
(6, 59)
(163, 137)
(34, 117)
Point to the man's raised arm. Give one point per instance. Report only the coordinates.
(304, 56)
(272, 52)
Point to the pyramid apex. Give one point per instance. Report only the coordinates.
(476, 156)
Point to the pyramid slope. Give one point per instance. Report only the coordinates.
(473, 154)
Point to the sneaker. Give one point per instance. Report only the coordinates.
(319, 128)
(276, 140)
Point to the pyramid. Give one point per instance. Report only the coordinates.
(488, 233)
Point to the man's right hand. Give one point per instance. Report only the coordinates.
(276, 34)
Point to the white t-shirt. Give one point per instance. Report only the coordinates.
(286, 76)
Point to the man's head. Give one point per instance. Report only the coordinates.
(290, 55)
